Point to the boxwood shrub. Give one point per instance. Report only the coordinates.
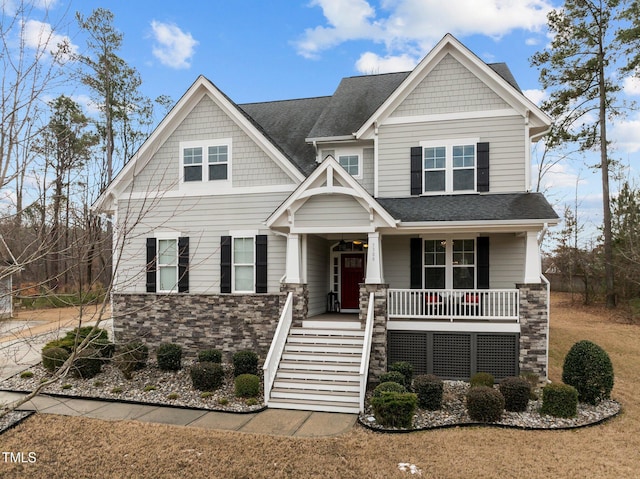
(54, 357)
(169, 356)
(245, 362)
(484, 404)
(560, 400)
(392, 376)
(482, 379)
(392, 409)
(207, 376)
(389, 386)
(429, 389)
(131, 357)
(406, 369)
(87, 363)
(247, 386)
(516, 392)
(587, 367)
(210, 355)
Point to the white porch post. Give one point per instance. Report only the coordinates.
(374, 260)
(293, 259)
(533, 264)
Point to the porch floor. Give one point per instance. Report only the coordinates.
(335, 317)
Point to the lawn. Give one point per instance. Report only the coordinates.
(78, 447)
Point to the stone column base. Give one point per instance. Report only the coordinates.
(534, 329)
(378, 358)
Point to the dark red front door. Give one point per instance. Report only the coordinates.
(352, 274)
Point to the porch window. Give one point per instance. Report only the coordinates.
(449, 264)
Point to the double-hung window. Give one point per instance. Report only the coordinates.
(192, 161)
(449, 263)
(243, 264)
(167, 265)
(351, 163)
(218, 162)
(449, 166)
(207, 160)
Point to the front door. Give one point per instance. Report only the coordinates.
(352, 274)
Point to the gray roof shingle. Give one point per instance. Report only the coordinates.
(472, 207)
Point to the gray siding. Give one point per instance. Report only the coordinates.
(449, 87)
(331, 210)
(204, 221)
(250, 165)
(367, 155)
(506, 143)
(317, 274)
(396, 261)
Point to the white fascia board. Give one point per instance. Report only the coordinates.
(501, 226)
(329, 139)
(479, 327)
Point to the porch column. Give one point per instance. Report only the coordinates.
(374, 260)
(533, 264)
(293, 259)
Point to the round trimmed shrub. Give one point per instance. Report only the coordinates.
(392, 409)
(482, 379)
(393, 377)
(210, 356)
(429, 389)
(206, 376)
(245, 362)
(560, 400)
(587, 367)
(516, 392)
(54, 357)
(484, 404)
(131, 357)
(406, 369)
(247, 386)
(389, 386)
(87, 364)
(63, 343)
(169, 356)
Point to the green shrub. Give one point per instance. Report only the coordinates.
(482, 379)
(247, 386)
(484, 404)
(210, 356)
(392, 376)
(169, 356)
(131, 357)
(560, 400)
(389, 386)
(406, 369)
(587, 367)
(54, 357)
(26, 374)
(429, 389)
(99, 339)
(87, 364)
(63, 343)
(516, 392)
(206, 376)
(245, 362)
(393, 409)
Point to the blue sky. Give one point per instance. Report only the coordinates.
(259, 51)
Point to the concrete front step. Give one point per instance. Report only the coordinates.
(309, 405)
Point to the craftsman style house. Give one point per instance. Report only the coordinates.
(401, 205)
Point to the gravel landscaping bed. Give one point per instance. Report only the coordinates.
(454, 413)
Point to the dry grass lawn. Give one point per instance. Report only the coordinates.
(77, 447)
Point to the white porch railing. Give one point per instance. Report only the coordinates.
(366, 350)
(454, 304)
(272, 361)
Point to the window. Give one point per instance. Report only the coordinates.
(449, 166)
(167, 264)
(351, 163)
(449, 264)
(243, 264)
(214, 155)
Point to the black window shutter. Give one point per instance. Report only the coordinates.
(225, 264)
(483, 262)
(415, 247)
(151, 265)
(416, 170)
(261, 263)
(183, 264)
(483, 167)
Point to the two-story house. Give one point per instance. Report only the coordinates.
(401, 204)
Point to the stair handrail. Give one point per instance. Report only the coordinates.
(366, 349)
(272, 361)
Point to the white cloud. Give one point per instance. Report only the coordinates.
(413, 26)
(370, 63)
(536, 96)
(631, 86)
(174, 48)
(559, 175)
(626, 134)
(40, 36)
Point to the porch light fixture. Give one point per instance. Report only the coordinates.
(342, 246)
(358, 242)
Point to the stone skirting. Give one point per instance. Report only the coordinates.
(300, 301)
(228, 322)
(378, 358)
(534, 329)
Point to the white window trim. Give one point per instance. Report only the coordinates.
(448, 145)
(448, 275)
(351, 152)
(165, 237)
(205, 144)
(237, 234)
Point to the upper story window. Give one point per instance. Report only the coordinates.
(351, 163)
(208, 160)
(449, 166)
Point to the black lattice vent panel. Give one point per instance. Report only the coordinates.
(410, 347)
(452, 355)
(497, 354)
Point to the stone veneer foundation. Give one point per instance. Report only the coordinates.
(534, 329)
(378, 358)
(227, 322)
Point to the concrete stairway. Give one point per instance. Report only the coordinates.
(319, 368)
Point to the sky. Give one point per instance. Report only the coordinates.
(261, 51)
